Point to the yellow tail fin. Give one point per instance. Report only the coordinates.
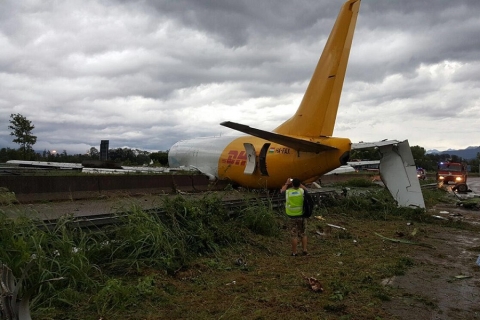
(317, 112)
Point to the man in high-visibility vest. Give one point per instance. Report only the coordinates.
(294, 191)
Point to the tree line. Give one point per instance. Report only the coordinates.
(125, 156)
(22, 131)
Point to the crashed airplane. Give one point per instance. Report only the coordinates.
(302, 146)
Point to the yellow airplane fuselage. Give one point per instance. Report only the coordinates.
(280, 162)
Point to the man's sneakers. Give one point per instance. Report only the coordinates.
(304, 253)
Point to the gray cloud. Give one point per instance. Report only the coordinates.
(146, 74)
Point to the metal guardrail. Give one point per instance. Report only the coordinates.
(99, 220)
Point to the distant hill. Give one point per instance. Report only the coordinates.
(467, 154)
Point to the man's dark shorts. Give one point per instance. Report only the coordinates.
(297, 227)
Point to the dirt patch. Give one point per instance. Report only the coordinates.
(445, 281)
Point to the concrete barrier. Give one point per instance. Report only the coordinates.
(46, 188)
(52, 188)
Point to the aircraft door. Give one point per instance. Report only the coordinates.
(263, 159)
(251, 159)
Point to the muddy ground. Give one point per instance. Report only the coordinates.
(444, 283)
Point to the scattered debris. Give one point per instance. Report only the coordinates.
(478, 261)
(241, 262)
(319, 218)
(338, 227)
(430, 186)
(316, 185)
(461, 276)
(472, 203)
(387, 281)
(414, 232)
(439, 217)
(314, 284)
(12, 307)
(405, 241)
(320, 233)
(444, 212)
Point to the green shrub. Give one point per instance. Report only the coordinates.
(260, 219)
(166, 240)
(434, 196)
(56, 253)
(116, 295)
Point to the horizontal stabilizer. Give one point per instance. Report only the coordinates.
(288, 141)
(363, 145)
(398, 171)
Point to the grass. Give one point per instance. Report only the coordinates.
(200, 261)
(7, 197)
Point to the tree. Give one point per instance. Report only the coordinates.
(160, 157)
(420, 156)
(22, 130)
(418, 152)
(93, 153)
(143, 157)
(8, 154)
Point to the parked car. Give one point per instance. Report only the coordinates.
(421, 174)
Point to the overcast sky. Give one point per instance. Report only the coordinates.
(145, 74)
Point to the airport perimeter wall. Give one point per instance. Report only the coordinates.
(54, 188)
(51, 188)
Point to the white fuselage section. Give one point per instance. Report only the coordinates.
(200, 153)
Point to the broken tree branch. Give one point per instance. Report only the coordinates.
(405, 241)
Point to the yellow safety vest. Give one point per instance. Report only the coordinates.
(294, 202)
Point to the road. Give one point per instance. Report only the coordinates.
(474, 184)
